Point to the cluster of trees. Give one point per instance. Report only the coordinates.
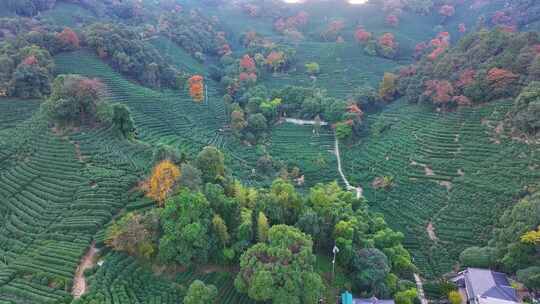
(515, 246)
(484, 66)
(526, 109)
(384, 46)
(29, 7)
(77, 101)
(518, 14)
(26, 57)
(195, 32)
(292, 26)
(269, 8)
(25, 72)
(333, 31)
(204, 216)
(257, 108)
(262, 57)
(123, 47)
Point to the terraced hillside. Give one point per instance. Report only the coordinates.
(54, 201)
(453, 175)
(173, 118)
(14, 111)
(169, 117)
(122, 279)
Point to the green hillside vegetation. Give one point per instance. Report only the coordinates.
(183, 151)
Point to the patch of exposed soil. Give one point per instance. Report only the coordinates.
(431, 231)
(79, 281)
(78, 152)
(446, 184)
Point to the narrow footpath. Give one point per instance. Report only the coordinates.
(359, 193)
(358, 190)
(420, 288)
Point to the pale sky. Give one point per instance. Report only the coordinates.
(350, 1)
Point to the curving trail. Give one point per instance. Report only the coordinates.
(420, 288)
(79, 281)
(358, 190)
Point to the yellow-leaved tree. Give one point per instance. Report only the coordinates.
(164, 176)
(262, 228)
(532, 237)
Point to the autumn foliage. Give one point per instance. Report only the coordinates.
(447, 10)
(387, 88)
(162, 181)
(392, 20)
(250, 77)
(30, 60)
(275, 59)
(69, 37)
(440, 43)
(291, 23)
(247, 63)
(501, 78)
(501, 17)
(362, 35)
(333, 29)
(388, 41)
(196, 88)
(441, 91)
(466, 78)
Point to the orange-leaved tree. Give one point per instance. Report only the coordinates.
(196, 88)
(162, 181)
(275, 59)
(501, 78)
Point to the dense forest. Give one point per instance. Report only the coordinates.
(214, 151)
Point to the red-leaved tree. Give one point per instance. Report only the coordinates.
(440, 91)
(30, 60)
(466, 78)
(69, 38)
(392, 20)
(362, 35)
(447, 10)
(387, 40)
(247, 63)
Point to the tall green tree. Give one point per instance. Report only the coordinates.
(281, 269)
(122, 121)
(370, 267)
(200, 293)
(186, 221)
(211, 162)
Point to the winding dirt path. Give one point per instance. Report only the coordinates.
(431, 231)
(79, 281)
